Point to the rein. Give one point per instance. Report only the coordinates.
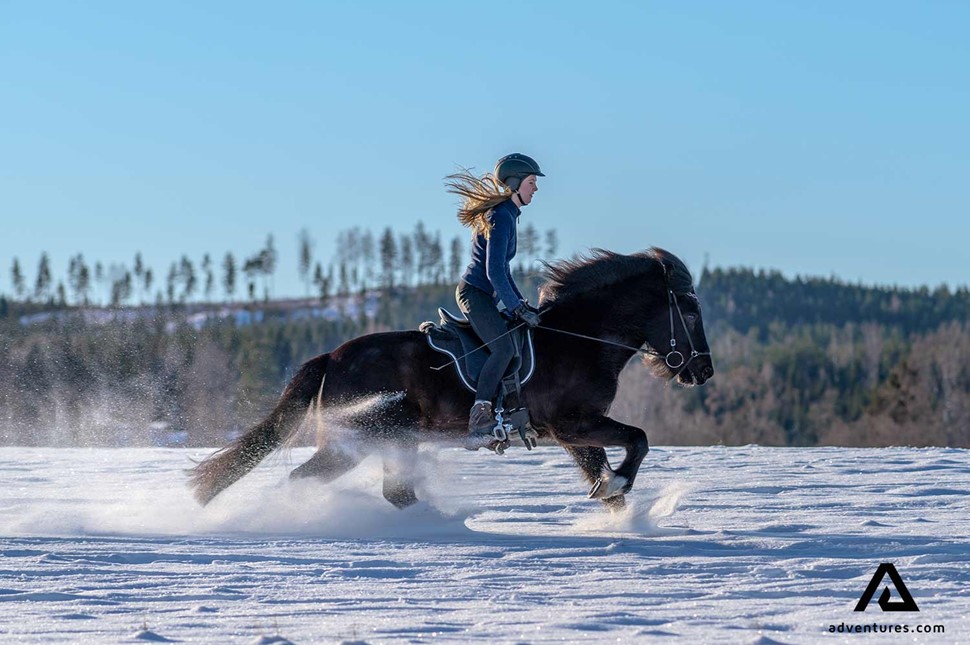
(482, 346)
(598, 340)
(674, 358)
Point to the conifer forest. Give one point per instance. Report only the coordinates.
(194, 352)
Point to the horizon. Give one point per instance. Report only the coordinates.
(813, 142)
(265, 295)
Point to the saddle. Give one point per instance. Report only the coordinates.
(455, 338)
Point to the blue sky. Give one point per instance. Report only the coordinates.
(814, 138)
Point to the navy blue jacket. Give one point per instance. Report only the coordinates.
(490, 269)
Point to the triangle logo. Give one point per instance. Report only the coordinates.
(905, 604)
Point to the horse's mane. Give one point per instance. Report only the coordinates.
(601, 268)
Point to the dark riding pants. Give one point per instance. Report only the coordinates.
(489, 324)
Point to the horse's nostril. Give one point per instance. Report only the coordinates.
(707, 372)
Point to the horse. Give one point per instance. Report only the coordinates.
(599, 310)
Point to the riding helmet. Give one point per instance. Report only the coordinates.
(512, 169)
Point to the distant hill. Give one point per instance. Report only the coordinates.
(745, 299)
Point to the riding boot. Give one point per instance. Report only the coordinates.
(480, 418)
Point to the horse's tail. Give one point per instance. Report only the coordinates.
(225, 467)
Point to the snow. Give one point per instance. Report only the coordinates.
(729, 545)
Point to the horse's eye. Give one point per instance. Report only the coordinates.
(691, 318)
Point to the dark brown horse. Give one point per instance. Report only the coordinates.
(625, 302)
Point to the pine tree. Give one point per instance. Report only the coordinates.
(407, 260)
(348, 247)
(457, 259)
(529, 241)
(369, 257)
(343, 287)
(552, 243)
(306, 259)
(189, 281)
(210, 279)
(229, 275)
(323, 283)
(99, 278)
(422, 248)
(268, 264)
(170, 281)
(121, 290)
(253, 267)
(17, 278)
(72, 271)
(388, 258)
(79, 279)
(43, 284)
(436, 257)
(139, 269)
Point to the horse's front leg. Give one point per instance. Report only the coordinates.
(593, 463)
(602, 432)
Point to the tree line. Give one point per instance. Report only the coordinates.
(798, 362)
(362, 261)
(747, 299)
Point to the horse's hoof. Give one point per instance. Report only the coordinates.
(609, 485)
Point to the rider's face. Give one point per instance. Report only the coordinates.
(527, 189)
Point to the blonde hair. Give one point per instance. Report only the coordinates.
(479, 196)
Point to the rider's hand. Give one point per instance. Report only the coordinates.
(527, 315)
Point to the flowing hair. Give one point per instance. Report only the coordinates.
(479, 195)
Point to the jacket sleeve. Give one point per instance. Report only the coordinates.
(496, 260)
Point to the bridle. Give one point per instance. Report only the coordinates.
(674, 359)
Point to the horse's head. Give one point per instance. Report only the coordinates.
(645, 297)
(676, 336)
(675, 329)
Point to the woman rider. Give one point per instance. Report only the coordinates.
(486, 294)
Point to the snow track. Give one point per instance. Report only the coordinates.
(730, 545)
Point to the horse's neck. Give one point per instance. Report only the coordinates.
(593, 321)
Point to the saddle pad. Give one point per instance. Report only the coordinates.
(463, 348)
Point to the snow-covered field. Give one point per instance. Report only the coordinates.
(725, 545)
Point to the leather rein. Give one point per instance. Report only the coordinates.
(674, 359)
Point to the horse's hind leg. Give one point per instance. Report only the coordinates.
(328, 463)
(593, 462)
(400, 461)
